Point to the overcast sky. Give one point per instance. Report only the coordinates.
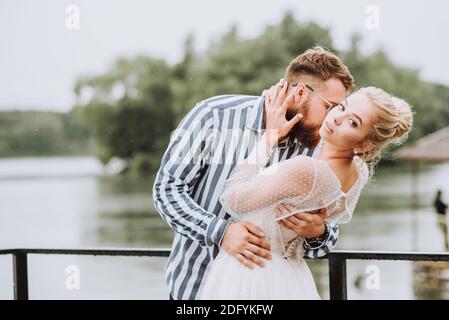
(40, 58)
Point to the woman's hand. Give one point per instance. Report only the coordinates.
(305, 224)
(276, 103)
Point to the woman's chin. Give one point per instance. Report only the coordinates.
(322, 132)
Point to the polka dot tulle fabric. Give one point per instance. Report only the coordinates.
(252, 192)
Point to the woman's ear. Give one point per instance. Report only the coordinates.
(365, 147)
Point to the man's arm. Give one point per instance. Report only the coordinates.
(187, 154)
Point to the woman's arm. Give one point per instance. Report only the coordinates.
(253, 186)
(249, 187)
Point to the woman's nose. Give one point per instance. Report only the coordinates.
(337, 120)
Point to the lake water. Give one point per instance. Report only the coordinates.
(71, 202)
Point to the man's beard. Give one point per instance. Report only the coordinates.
(308, 135)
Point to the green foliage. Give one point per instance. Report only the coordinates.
(42, 133)
(155, 96)
(132, 108)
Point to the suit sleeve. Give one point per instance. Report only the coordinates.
(185, 159)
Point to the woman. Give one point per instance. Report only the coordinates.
(353, 135)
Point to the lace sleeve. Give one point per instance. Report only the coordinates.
(251, 186)
(324, 190)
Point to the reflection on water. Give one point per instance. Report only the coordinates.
(431, 280)
(75, 205)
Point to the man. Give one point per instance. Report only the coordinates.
(210, 140)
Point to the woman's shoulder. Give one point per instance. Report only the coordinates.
(316, 169)
(301, 163)
(301, 159)
(362, 169)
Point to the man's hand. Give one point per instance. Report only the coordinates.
(306, 224)
(244, 241)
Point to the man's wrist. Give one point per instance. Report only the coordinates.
(216, 231)
(270, 138)
(220, 243)
(317, 242)
(323, 232)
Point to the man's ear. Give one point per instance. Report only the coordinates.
(300, 91)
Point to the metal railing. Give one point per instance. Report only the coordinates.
(337, 263)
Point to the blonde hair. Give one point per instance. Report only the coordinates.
(393, 123)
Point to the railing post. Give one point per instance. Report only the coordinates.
(337, 278)
(20, 268)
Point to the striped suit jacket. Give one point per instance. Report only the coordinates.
(210, 140)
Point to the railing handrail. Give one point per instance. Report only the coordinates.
(163, 252)
(138, 252)
(337, 262)
(389, 255)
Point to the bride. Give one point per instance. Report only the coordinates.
(353, 135)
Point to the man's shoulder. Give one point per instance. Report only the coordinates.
(205, 109)
(230, 101)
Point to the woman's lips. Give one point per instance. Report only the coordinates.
(329, 128)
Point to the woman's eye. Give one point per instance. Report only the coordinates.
(353, 122)
(342, 107)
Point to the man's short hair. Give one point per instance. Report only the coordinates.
(320, 65)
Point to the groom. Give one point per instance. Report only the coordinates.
(216, 134)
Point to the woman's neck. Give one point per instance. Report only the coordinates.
(330, 152)
(340, 161)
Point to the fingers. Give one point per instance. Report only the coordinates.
(258, 241)
(243, 241)
(305, 216)
(252, 258)
(289, 224)
(294, 121)
(293, 219)
(244, 261)
(286, 101)
(256, 255)
(281, 222)
(323, 213)
(267, 99)
(281, 95)
(314, 211)
(272, 95)
(316, 218)
(275, 92)
(255, 236)
(252, 254)
(254, 229)
(278, 212)
(284, 209)
(258, 251)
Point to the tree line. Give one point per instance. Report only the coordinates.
(130, 110)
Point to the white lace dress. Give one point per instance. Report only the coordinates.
(252, 192)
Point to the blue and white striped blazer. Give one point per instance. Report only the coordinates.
(208, 143)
